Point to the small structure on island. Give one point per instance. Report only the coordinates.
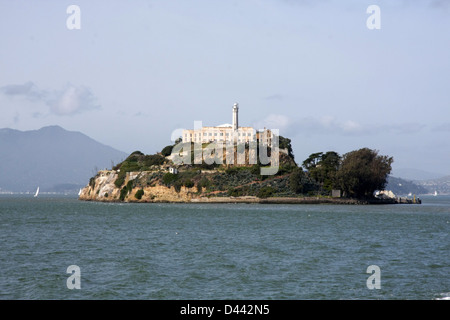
(173, 170)
(335, 193)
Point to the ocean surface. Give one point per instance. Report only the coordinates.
(222, 251)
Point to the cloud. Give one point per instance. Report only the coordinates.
(351, 126)
(70, 100)
(403, 128)
(444, 127)
(329, 125)
(277, 96)
(27, 90)
(274, 121)
(440, 4)
(323, 125)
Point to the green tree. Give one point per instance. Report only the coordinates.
(134, 156)
(266, 192)
(296, 180)
(329, 165)
(169, 178)
(188, 183)
(285, 143)
(123, 193)
(154, 159)
(167, 151)
(312, 161)
(139, 194)
(203, 183)
(362, 172)
(322, 167)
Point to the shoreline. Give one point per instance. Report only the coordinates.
(256, 200)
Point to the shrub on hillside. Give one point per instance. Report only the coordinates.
(139, 194)
(188, 183)
(169, 178)
(167, 151)
(266, 192)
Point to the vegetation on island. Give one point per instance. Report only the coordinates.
(357, 174)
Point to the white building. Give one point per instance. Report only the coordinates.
(225, 133)
(173, 170)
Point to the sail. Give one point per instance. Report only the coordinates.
(37, 192)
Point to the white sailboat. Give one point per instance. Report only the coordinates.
(79, 192)
(435, 193)
(37, 192)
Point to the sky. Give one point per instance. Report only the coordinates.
(135, 72)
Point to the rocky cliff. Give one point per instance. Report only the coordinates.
(102, 188)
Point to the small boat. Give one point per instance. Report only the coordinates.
(79, 192)
(435, 193)
(37, 192)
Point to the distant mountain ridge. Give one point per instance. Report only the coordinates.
(401, 187)
(440, 185)
(52, 158)
(404, 186)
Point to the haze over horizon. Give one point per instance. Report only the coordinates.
(135, 72)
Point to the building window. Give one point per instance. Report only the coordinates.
(204, 134)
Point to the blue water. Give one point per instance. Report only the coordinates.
(222, 251)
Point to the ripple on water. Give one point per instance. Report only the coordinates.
(167, 251)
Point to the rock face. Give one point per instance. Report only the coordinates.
(102, 188)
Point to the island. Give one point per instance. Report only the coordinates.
(324, 177)
(230, 163)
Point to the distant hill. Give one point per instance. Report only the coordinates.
(401, 186)
(52, 158)
(441, 185)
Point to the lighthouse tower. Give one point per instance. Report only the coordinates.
(235, 117)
